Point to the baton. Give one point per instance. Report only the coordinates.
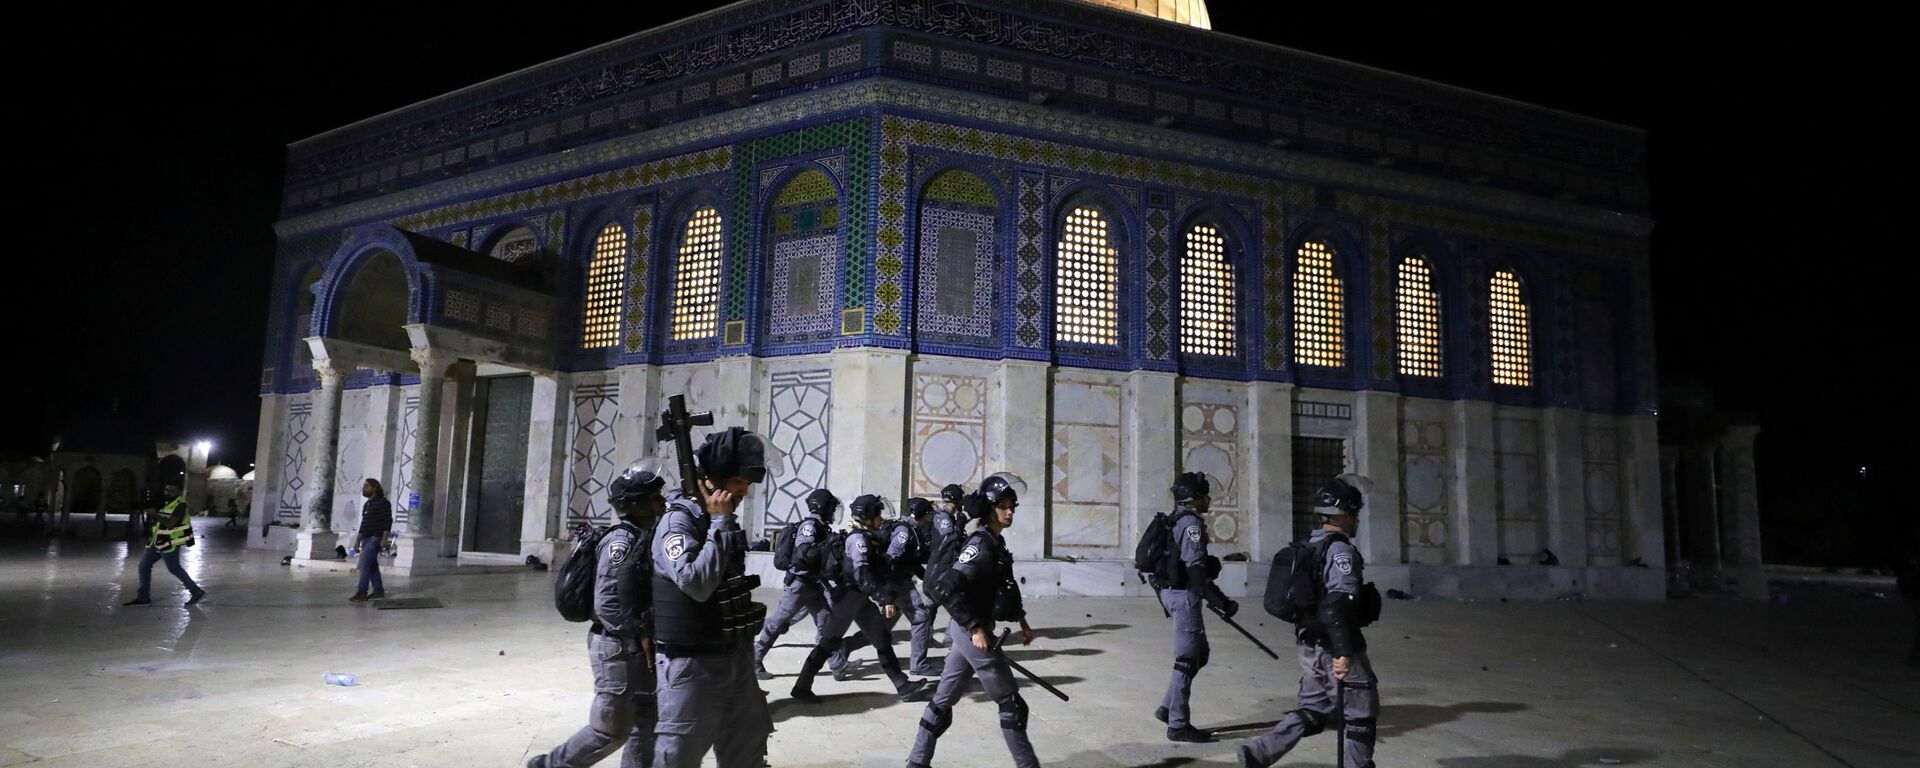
(1243, 630)
(995, 650)
(1340, 711)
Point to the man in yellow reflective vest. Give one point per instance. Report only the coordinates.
(172, 529)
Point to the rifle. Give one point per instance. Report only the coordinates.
(1243, 630)
(677, 425)
(1002, 655)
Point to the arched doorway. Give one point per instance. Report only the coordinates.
(373, 307)
(86, 491)
(172, 470)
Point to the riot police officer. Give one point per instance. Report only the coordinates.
(1333, 653)
(919, 523)
(978, 590)
(702, 639)
(805, 591)
(619, 642)
(1189, 581)
(860, 586)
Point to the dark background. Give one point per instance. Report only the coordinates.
(1774, 159)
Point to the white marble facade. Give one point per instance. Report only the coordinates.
(1456, 485)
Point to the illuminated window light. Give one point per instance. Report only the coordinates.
(696, 279)
(606, 281)
(1206, 294)
(1087, 282)
(1319, 312)
(1512, 344)
(1417, 308)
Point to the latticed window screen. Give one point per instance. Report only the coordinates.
(1418, 318)
(1086, 291)
(1319, 311)
(1206, 294)
(1315, 461)
(696, 278)
(1512, 345)
(606, 283)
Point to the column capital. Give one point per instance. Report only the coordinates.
(433, 362)
(331, 372)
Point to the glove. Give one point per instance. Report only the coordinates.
(1229, 608)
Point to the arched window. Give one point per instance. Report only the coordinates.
(1206, 294)
(1512, 342)
(696, 278)
(1417, 313)
(606, 284)
(1319, 307)
(1087, 282)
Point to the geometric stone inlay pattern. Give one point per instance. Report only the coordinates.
(798, 419)
(596, 418)
(949, 432)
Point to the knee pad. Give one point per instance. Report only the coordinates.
(936, 720)
(1313, 722)
(1201, 657)
(1188, 665)
(1360, 731)
(1013, 712)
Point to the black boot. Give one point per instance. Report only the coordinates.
(803, 686)
(1189, 734)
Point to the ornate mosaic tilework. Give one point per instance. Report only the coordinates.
(1159, 288)
(799, 423)
(808, 186)
(596, 421)
(1031, 326)
(641, 257)
(805, 276)
(935, 291)
(573, 190)
(1380, 272)
(962, 187)
(849, 135)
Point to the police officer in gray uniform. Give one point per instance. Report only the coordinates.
(1191, 581)
(619, 643)
(978, 590)
(708, 697)
(861, 585)
(805, 594)
(920, 516)
(1332, 650)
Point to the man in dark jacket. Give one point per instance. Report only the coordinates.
(376, 520)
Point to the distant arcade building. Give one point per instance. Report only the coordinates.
(920, 241)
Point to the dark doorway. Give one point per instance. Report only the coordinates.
(504, 409)
(86, 491)
(1315, 461)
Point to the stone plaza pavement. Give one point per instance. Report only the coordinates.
(496, 675)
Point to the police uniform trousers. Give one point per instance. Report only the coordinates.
(964, 663)
(711, 701)
(850, 608)
(1362, 699)
(800, 598)
(622, 712)
(1190, 653)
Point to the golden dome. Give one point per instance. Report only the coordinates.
(1192, 13)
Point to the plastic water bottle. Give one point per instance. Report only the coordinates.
(336, 678)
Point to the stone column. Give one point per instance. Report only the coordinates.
(1562, 438)
(1269, 471)
(1475, 486)
(1019, 420)
(1743, 499)
(268, 463)
(1377, 457)
(317, 539)
(867, 443)
(420, 544)
(1701, 510)
(1150, 448)
(547, 452)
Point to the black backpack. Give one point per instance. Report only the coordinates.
(573, 585)
(1153, 554)
(941, 560)
(832, 549)
(1295, 585)
(783, 551)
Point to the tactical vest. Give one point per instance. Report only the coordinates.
(681, 624)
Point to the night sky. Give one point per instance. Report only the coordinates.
(152, 147)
